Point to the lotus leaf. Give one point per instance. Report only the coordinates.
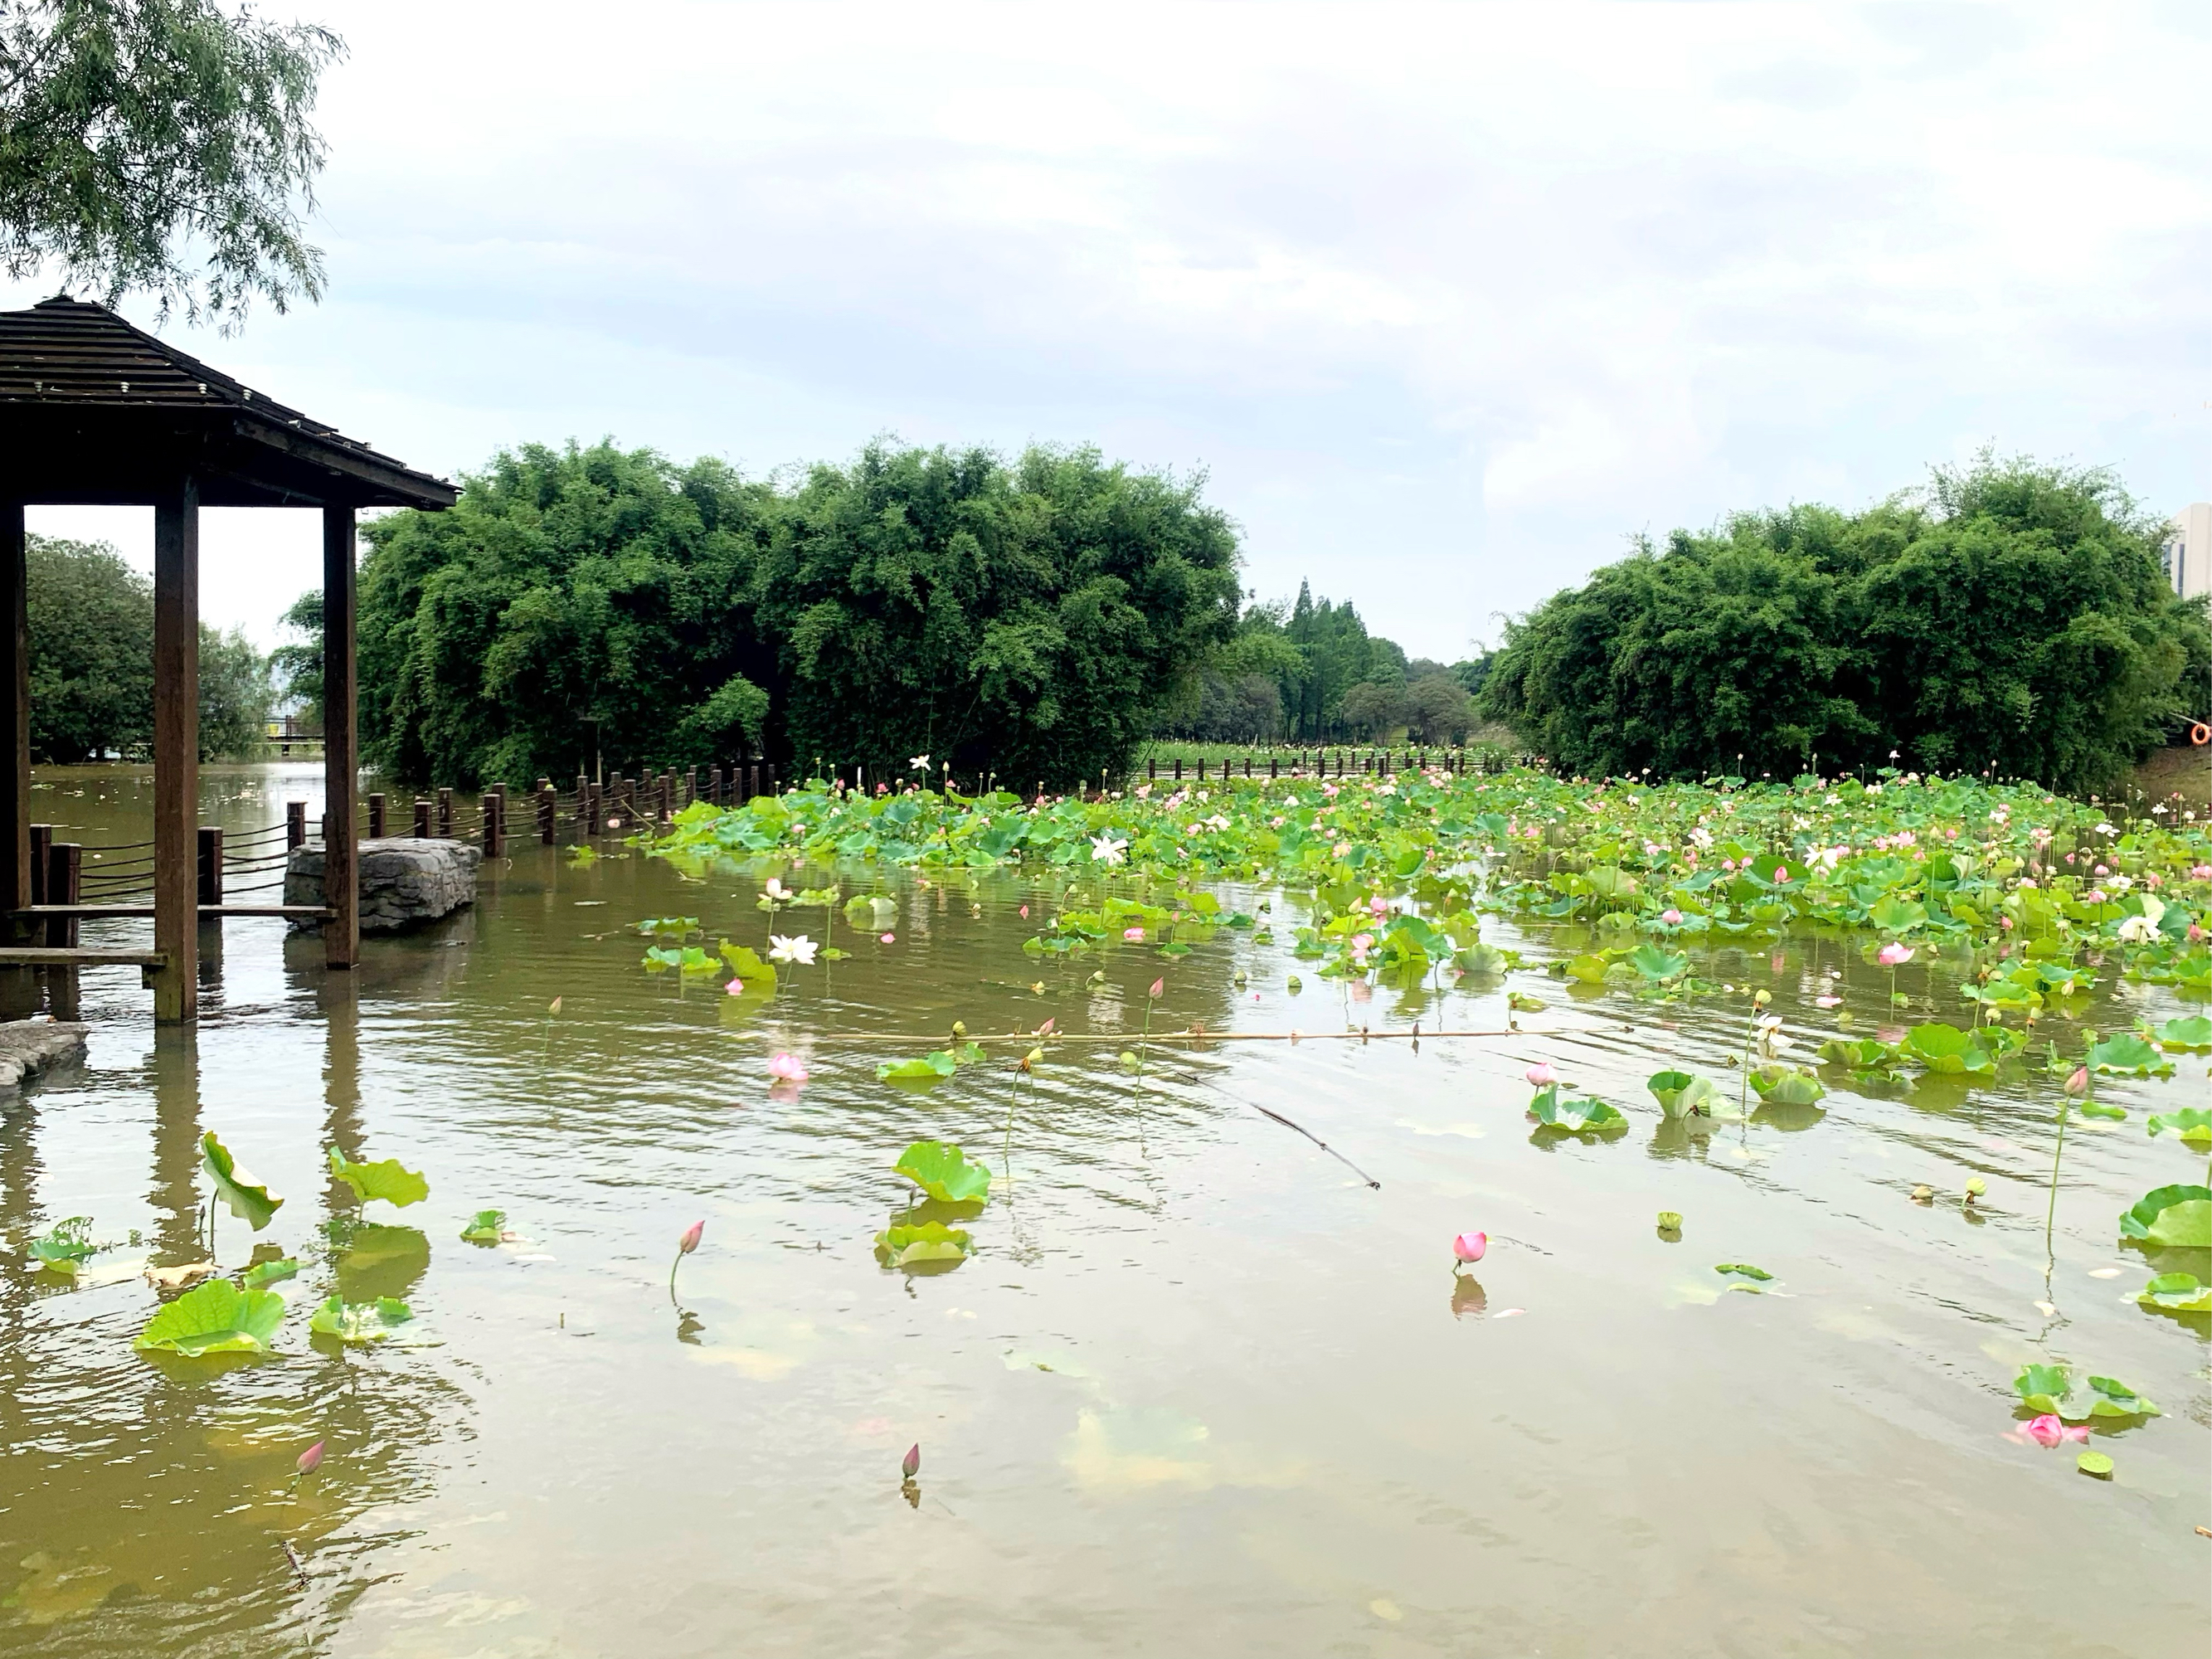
(942, 1170)
(64, 1247)
(743, 962)
(2097, 1465)
(2127, 1053)
(2103, 1109)
(384, 1179)
(1946, 1049)
(249, 1200)
(262, 1274)
(2178, 1217)
(214, 1317)
(930, 1067)
(1576, 1116)
(668, 927)
(2051, 1389)
(361, 1322)
(1896, 915)
(2192, 1035)
(1779, 1085)
(1744, 1270)
(2192, 1123)
(1678, 1094)
(1521, 1003)
(1657, 965)
(485, 1227)
(2176, 1293)
(932, 1240)
(1861, 1054)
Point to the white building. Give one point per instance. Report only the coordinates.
(2187, 549)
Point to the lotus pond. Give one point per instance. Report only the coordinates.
(1719, 1299)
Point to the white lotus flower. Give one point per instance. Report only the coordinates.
(1107, 849)
(919, 763)
(801, 949)
(2137, 930)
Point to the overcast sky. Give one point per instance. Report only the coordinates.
(1446, 301)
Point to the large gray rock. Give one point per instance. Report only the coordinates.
(404, 882)
(32, 1045)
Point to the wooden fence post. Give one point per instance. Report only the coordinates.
(42, 843)
(64, 883)
(422, 817)
(549, 805)
(446, 814)
(210, 863)
(295, 825)
(495, 826)
(376, 806)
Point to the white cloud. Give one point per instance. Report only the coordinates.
(1447, 298)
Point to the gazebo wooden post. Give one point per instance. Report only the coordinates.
(16, 878)
(176, 752)
(341, 770)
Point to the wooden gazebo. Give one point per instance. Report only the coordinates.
(93, 410)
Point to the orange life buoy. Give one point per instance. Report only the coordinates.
(2200, 734)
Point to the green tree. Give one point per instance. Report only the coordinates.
(235, 695)
(2010, 616)
(297, 666)
(162, 146)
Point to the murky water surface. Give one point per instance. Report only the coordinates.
(1199, 1391)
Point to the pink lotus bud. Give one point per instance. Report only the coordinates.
(689, 1242)
(910, 1465)
(890, 939)
(1469, 1247)
(1540, 1075)
(1134, 935)
(1893, 954)
(2079, 1083)
(784, 1069)
(2102, 871)
(1672, 917)
(1826, 1002)
(2049, 1429)
(312, 1459)
(1025, 913)
(1781, 874)
(1158, 986)
(736, 987)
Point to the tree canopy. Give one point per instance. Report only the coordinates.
(92, 661)
(1029, 616)
(162, 146)
(2010, 616)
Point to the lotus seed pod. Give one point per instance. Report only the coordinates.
(1923, 1195)
(1975, 1188)
(1670, 1221)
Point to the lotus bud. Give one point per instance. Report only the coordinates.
(312, 1459)
(1031, 1058)
(1672, 917)
(1670, 1221)
(960, 1028)
(1469, 1247)
(2078, 1083)
(1158, 987)
(910, 1465)
(1923, 1195)
(1540, 1075)
(692, 1234)
(1761, 997)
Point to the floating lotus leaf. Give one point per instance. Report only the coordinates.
(249, 1200)
(485, 1227)
(2177, 1217)
(2096, 1464)
(756, 976)
(932, 1240)
(384, 1179)
(2176, 1293)
(2192, 1123)
(2191, 1035)
(215, 1317)
(942, 1170)
(2103, 1109)
(262, 1274)
(1861, 1054)
(1779, 1085)
(1678, 1094)
(1657, 965)
(361, 1322)
(1946, 1049)
(2051, 1389)
(1575, 1117)
(928, 1069)
(64, 1248)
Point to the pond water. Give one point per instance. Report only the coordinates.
(1199, 1390)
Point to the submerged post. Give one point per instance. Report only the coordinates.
(176, 751)
(341, 764)
(16, 870)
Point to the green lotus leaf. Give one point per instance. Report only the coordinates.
(65, 1247)
(2192, 1035)
(668, 927)
(2176, 1293)
(744, 962)
(1575, 1117)
(361, 1322)
(2051, 1390)
(485, 1227)
(1744, 1270)
(2096, 1464)
(1896, 915)
(942, 1170)
(262, 1274)
(2177, 1217)
(1678, 1094)
(1780, 1085)
(1946, 1049)
(2192, 1123)
(214, 1317)
(928, 1068)
(249, 1200)
(1521, 1003)
(2125, 1053)
(384, 1179)
(1998, 1041)
(1861, 1055)
(1657, 965)
(2103, 1109)
(932, 1240)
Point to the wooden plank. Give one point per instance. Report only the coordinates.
(176, 753)
(33, 956)
(16, 878)
(341, 762)
(112, 912)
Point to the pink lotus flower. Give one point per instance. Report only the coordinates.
(1781, 874)
(1540, 1075)
(1025, 913)
(1893, 954)
(2049, 1429)
(1469, 1247)
(890, 939)
(785, 1068)
(1379, 906)
(736, 987)
(692, 1235)
(2102, 871)
(1673, 918)
(312, 1459)
(2200, 872)
(1134, 935)
(1826, 1002)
